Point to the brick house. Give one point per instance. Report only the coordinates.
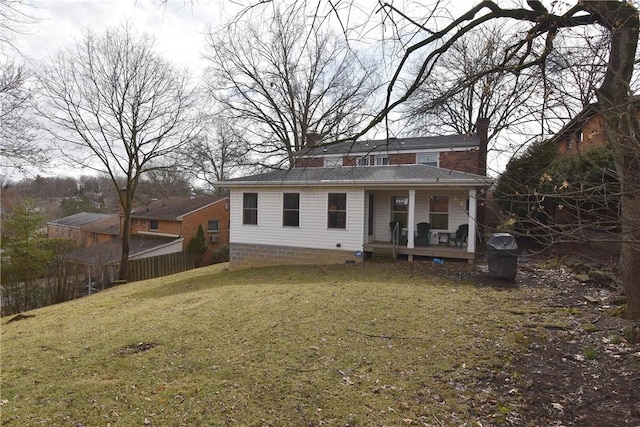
(179, 217)
(86, 229)
(585, 131)
(340, 200)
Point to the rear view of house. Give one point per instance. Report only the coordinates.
(345, 201)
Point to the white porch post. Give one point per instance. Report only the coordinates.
(411, 220)
(473, 211)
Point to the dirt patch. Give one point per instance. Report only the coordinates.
(583, 370)
(583, 373)
(587, 373)
(135, 348)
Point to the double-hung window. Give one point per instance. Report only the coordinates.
(332, 162)
(213, 226)
(400, 210)
(337, 210)
(429, 159)
(250, 208)
(363, 161)
(291, 209)
(439, 212)
(382, 160)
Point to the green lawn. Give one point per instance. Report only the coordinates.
(370, 344)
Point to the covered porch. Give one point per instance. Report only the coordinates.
(433, 251)
(440, 210)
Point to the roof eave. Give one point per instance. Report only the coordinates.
(368, 183)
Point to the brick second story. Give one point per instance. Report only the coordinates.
(464, 153)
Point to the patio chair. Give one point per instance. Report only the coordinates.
(461, 234)
(421, 237)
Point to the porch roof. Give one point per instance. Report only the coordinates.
(381, 176)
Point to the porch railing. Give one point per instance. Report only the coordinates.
(395, 239)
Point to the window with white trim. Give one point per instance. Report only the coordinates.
(429, 159)
(337, 210)
(213, 226)
(332, 162)
(400, 210)
(382, 160)
(439, 212)
(363, 161)
(250, 208)
(291, 209)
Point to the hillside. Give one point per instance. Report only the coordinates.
(371, 344)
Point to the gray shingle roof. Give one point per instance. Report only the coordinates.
(393, 145)
(173, 208)
(95, 222)
(415, 175)
(109, 252)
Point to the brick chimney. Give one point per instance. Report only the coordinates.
(313, 138)
(482, 130)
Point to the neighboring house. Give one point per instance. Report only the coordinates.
(585, 131)
(337, 205)
(179, 217)
(86, 229)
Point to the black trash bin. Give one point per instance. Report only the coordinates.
(502, 256)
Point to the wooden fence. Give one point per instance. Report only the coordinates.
(163, 265)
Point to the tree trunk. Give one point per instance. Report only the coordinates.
(621, 128)
(126, 199)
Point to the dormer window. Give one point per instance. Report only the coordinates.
(332, 162)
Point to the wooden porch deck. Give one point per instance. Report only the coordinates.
(432, 251)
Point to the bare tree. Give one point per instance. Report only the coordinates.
(18, 131)
(442, 105)
(117, 107)
(286, 77)
(217, 154)
(15, 18)
(162, 182)
(18, 136)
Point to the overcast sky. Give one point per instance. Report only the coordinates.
(177, 25)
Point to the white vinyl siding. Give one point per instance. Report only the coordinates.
(312, 232)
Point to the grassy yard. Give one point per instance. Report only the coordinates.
(371, 344)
